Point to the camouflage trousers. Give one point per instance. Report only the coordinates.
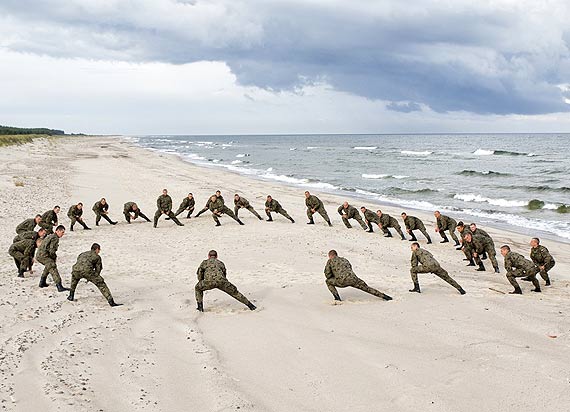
(75, 220)
(182, 209)
(520, 273)
(50, 268)
(171, 215)
(281, 211)
(397, 228)
(451, 233)
(250, 208)
(22, 263)
(321, 211)
(141, 214)
(436, 270)
(544, 273)
(490, 250)
(422, 229)
(346, 222)
(97, 280)
(224, 285)
(98, 217)
(354, 282)
(224, 210)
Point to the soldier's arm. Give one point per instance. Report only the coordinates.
(547, 257)
(340, 210)
(224, 269)
(414, 260)
(200, 272)
(328, 270)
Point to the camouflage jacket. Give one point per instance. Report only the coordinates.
(218, 204)
(413, 223)
(74, 212)
(88, 263)
(242, 202)
(423, 257)
(541, 256)
(388, 221)
(351, 212)
(26, 226)
(25, 246)
(273, 206)
(515, 260)
(446, 222)
(211, 269)
(100, 208)
(50, 217)
(30, 234)
(313, 202)
(371, 217)
(48, 248)
(128, 208)
(466, 230)
(480, 241)
(339, 268)
(164, 203)
(187, 203)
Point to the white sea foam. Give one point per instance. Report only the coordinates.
(414, 153)
(483, 152)
(400, 176)
(365, 148)
(242, 155)
(236, 162)
(292, 149)
(269, 169)
(372, 176)
(470, 197)
(312, 147)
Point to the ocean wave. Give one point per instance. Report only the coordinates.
(312, 147)
(470, 197)
(365, 148)
(484, 152)
(489, 173)
(414, 153)
(545, 189)
(414, 191)
(382, 176)
(236, 162)
(243, 155)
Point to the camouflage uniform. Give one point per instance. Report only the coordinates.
(164, 206)
(467, 247)
(100, 211)
(47, 256)
(423, 262)
(74, 214)
(447, 223)
(89, 266)
(128, 209)
(25, 235)
(187, 204)
(413, 223)
(517, 266)
(542, 257)
(350, 213)
(23, 254)
(339, 274)
(370, 218)
(244, 203)
(207, 207)
(49, 220)
(483, 243)
(313, 202)
(275, 206)
(387, 221)
(26, 226)
(218, 208)
(212, 275)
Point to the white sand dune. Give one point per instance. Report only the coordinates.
(437, 351)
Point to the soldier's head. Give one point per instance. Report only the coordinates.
(41, 232)
(79, 206)
(362, 209)
(236, 196)
(437, 214)
(505, 249)
(404, 215)
(460, 227)
(164, 192)
(214, 198)
(345, 205)
(38, 219)
(212, 254)
(468, 237)
(190, 195)
(473, 227)
(332, 254)
(103, 201)
(56, 209)
(269, 198)
(534, 242)
(96, 247)
(60, 230)
(135, 206)
(307, 194)
(218, 193)
(379, 212)
(39, 241)
(415, 246)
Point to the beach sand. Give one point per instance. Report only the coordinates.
(435, 351)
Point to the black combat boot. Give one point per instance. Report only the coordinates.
(459, 248)
(71, 228)
(547, 282)
(291, 219)
(458, 244)
(484, 256)
(481, 267)
(43, 283)
(460, 290)
(60, 288)
(388, 234)
(413, 237)
(416, 288)
(445, 240)
(259, 217)
(114, 223)
(429, 240)
(85, 227)
(270, 219)
(96, 223)
(386, 297)
(536, 289)
(251, 306)
(218, 224)
(112, 302)
(71, 295)
(337, 297)
(311, 222)
(199, 213)
(329, 222)
(370, 228)
(496, 269)
(471, 262)
(200, 307)
(240, 222)
(403, 237)
(21, 273)
(517, 291)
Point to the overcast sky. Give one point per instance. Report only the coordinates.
(264, 66)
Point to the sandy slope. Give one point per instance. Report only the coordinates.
(437, 351)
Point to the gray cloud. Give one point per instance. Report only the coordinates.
(490, 58)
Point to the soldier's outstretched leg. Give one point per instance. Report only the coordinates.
(425, 233)
(85, 227)
(442, 273)
(175, 219)
(228, 212)
(332, 289)
(324, 215)
(360, 222)
(346, 222)
(201, 211)
(254, 212)
(104, 289)
(413, 236)
(453, 236)
(492, 257)
(399, 230)
(141, 214)
(236, 210)
(284, 213)
(360, 284)
(386, 232)
(231, 290)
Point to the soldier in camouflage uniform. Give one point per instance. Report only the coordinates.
(29, 225)
(47, 256)
(75, 214)
(272, 205)
(476, 231)
(188, 204)
(479, 244)
(424, 262)
(101, 210)
(23, 253)
(370, 217)
(339, 274)
(212, 275)
(387, 221)
(347, 212)
(414, 223)
(41, 233)
(517, 266)
(542, 258)
(88, 267)
(132, 211)
(241, 202)
(314, 205)
(465, 247)
(218, 195)
(444, 223)
(218, 208)
(164, 207)
(49, 219)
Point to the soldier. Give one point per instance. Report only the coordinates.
(465, 247)
(272, 205)
(218, 208)
(75, 213)
(424, 262)
(314, 205)
(164, 207)
(47, 256)
(132, 211)
(478, 244)
(445, 223)
(370, 218)
(29, 225)
(242, 202)
(88, 267)
(23, 253)
(101, 210)
(413, 223)
(339, 274)
(49, 219)
(41, 233)
(387, 221)
(218, 195)
(517, 266)
(347, 211)
(212, 275)
(188, 204)
(541, 258)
